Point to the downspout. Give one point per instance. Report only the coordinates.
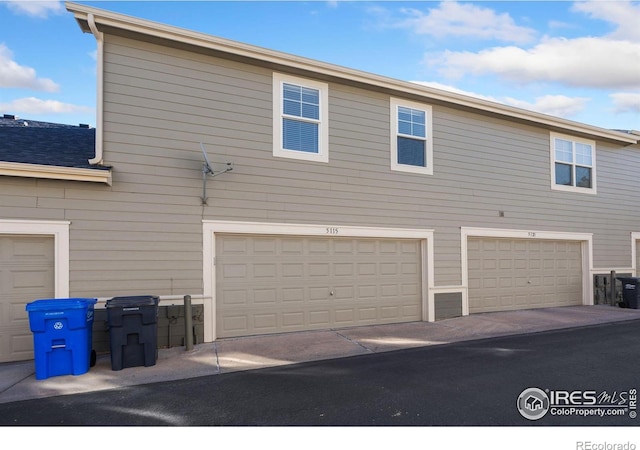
(98, 159)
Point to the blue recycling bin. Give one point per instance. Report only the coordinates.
(62, 335)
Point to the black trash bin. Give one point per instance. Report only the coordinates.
(133, 331)
(630, 292)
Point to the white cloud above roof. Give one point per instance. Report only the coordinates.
(32, 105)
(14, 75)
(555, 105)
(626, 102)
(33, 8)
(465, 20)
(623, 14)
(610, 63)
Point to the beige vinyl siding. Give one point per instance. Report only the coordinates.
(143, 235)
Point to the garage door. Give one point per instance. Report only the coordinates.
(26, 274)
(510, 274)
(274, 284)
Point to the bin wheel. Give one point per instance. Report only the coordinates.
(93, 358)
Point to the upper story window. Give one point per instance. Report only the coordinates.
(300, 118)
(411, 142)
(573, 164)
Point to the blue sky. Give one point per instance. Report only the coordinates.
(576, 60)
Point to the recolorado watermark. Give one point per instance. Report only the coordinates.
(534, 404)
(588, 445)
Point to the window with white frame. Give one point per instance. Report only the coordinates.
(411, 143)
(573, 164)
(300, 118)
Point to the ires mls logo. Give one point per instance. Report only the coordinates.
(534, 403)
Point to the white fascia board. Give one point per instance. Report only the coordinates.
(202, 40)
(55, 172)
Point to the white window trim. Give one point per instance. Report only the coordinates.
(323, 133)
(60, 232)
(394, 104)
(552, 152)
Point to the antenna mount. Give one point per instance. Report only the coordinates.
(207, 170)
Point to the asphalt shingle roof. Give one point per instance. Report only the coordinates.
(51, 144)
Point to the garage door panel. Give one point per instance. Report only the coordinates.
(291, 295)
(292, 319)
(299, 283)
(410, 290)
(15, 344)
(509, 274)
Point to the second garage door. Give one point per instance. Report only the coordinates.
(511, 274)
(274, 284)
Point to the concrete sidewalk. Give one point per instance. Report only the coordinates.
(17, 380)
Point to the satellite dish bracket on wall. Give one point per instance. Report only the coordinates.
(207, 171)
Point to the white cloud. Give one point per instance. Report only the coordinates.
(40, 9)
(446, 87)
(32, 105)
(624, 102)
(624, 14)
(585, 62)
(451, 18)
(554, 105)
(13, 75)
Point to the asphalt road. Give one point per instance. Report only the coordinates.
(466, 384)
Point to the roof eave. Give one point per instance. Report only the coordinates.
(188, 37)
(55, 172)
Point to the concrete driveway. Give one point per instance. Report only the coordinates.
(17, 380)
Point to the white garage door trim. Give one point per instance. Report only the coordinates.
(586, 240)
(211, 227)
(635, 243)
(60, 232)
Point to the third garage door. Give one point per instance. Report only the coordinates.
(273, 284)
(510, 274)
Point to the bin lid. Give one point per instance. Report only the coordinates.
(48, 304)
(131, 301)
(629, 279)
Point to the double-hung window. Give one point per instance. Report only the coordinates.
(573, 164)
(411, 143)
(300, 118)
